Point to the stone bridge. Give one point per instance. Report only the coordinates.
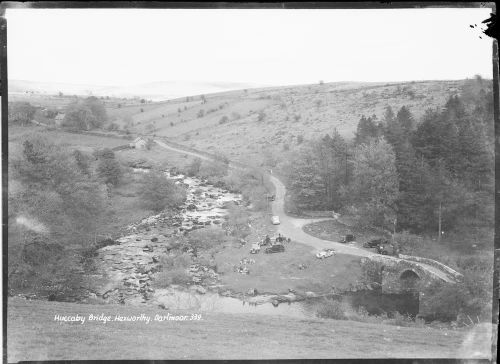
(413, 274)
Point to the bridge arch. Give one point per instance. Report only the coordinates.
(409, 280)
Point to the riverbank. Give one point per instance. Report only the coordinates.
(34, 335)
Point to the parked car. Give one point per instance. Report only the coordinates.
(276, 248)
(375, 243)
(255, 248)
(325, 253)
(388, 249)
(348, 238)
(271, 198)
(275, 220)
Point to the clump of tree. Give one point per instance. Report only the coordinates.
(375, 186)
(318, 173)
(368, 128)
(252, 184)
(193, 169)
(214, 171)
(426, 177)
(237, 221)
(54, 199)
(108, 168)
(159, 193)
(85, 114)
(20, 112)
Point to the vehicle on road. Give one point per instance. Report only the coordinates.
(276, 248)
(271, 197)
(348, 238)
(375, 243)
(388, 249)
(325, 253)
(275, 220)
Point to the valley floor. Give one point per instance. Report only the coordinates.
(34, 335)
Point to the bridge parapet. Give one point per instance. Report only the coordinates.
(407, 275)
(453, 273)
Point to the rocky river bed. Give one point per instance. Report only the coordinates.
(126, 268)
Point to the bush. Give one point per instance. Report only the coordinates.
(410, 244)
(112, 126)
(332, 309)
(108, 167)
(223, 120)
(169, 262)
(469, 298)
(251, 184)
(237, 220)
(159, 192)
(261, 116)
(206, 238)
(342, 310)
(20, 112)
(213, 169)
(200, 113)
(194, 168)
(176, 276)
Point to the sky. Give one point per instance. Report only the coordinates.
(267, 47)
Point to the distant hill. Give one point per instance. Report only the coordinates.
(156, 91)
(244, 124)
(249, 123)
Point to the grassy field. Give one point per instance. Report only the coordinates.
(276, 273)
(157, 157)
(34, 335)
(83, 142)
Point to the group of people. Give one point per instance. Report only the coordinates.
(279, 239)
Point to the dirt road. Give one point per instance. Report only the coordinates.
(291, 227)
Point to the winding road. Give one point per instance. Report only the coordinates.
(291, 227)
